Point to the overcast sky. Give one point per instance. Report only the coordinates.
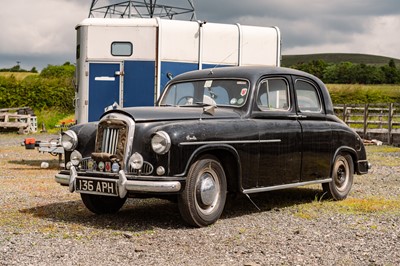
(42, 32)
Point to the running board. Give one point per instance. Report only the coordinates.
(265, 189)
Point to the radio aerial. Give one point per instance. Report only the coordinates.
(142, 9)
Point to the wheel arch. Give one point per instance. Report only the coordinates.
(227, 156)
(348, 150)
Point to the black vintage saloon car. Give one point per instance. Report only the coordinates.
(233, 129)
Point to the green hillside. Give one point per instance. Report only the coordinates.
(290, 60)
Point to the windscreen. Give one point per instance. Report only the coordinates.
(219, 92)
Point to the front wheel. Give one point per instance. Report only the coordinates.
(102, 204)
(202, 201)
(342, 177)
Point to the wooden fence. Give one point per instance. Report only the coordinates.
(372, 119)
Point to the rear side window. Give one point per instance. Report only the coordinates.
(273, 94)
(307, 97)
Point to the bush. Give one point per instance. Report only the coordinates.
(52, 89)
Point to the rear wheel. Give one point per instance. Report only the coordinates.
(342, 177)
(102, 204)
(203, 199)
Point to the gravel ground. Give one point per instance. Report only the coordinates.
(41, 223)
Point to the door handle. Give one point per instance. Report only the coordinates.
(297, 116)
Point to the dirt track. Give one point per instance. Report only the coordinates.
(41, 223)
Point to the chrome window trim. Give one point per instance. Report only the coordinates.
(159, 102)
(318, 94)
(287, 95)
(230, 142)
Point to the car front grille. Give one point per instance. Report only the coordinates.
(112, 135)
(110, 140)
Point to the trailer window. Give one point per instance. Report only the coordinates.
(121, 49)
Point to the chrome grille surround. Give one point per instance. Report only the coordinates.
(115, 134)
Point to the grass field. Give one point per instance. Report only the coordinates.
(359, 93)
(17, 75)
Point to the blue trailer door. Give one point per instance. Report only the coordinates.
(103, 88)
(139, 83)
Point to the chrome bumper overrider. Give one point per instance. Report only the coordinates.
(124, 185)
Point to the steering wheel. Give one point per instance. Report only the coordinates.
(186, 100)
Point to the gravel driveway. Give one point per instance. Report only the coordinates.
(41, 223)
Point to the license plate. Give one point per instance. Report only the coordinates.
(97, 186)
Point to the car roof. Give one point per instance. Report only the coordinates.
(248, 72)
(253, 73)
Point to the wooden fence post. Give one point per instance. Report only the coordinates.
(344, 113)
(365, 119)
(390, 123)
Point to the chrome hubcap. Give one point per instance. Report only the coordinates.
(208, 191)
(342, 174)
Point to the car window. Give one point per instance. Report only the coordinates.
(273, 94)
(307, 97)
(179, 93)
(220, 92)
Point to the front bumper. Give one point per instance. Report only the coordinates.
(124, 185)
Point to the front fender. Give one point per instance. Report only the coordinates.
(228, 157)
(86, 138)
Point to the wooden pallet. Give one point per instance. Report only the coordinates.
(23, 123)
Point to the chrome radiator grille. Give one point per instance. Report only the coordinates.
(110, 140)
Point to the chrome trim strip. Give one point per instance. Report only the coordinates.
(230, 142)
(264, 189)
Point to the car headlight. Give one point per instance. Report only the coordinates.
(69, 140)
(161, 142)
(76, 158)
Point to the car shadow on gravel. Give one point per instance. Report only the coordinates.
(270, 201)
(140, 215)
(53, 164)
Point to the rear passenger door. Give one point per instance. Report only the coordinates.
(316, 132)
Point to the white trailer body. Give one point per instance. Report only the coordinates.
(129, 61)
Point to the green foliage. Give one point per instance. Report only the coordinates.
(50, 118)
(336, 58)
(65, 71)
(350, 73)
(52, 89)
(17, 68)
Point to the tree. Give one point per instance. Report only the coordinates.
(65, 71)
(314, 67)
(392, 74)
